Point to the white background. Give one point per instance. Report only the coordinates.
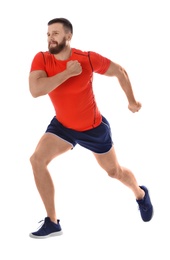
(99, 216)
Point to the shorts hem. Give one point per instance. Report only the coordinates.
(61, 138)
(103, 152)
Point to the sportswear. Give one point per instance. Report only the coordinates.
(74, 101)
(97, 140)
(145, 206)
(48, 229)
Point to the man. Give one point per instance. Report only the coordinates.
(66, 75)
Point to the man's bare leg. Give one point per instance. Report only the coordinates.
(108, 161)
(49, 147)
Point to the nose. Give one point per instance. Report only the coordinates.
(51, 37)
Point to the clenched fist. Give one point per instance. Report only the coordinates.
(74, 68)
(135, 107)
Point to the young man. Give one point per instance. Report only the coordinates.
(66, 75)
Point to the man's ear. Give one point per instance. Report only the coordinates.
(69, 37)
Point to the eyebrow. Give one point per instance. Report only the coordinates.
(53, 32)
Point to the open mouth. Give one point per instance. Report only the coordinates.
(53, 44)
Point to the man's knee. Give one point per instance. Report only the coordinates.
(115, 172)
(33, 160)
(36, 161)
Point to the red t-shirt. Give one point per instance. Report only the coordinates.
(74, 100)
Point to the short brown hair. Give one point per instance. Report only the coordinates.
(66, 23)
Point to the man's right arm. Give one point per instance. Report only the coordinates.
(40, 84)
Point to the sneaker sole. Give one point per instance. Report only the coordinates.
(54, 234)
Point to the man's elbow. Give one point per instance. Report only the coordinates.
(34, 93)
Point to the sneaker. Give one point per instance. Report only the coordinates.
(48, 229)
(145, 206)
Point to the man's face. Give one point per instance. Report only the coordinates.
(57, 38)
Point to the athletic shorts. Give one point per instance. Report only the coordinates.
(97, 140)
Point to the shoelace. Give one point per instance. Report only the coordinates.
(143, 207)
(41, 225)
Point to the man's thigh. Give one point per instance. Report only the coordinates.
(50, 146)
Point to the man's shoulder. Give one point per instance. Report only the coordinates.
(79, 52)
(46, 54)
(88, 54)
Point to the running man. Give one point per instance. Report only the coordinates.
(66, 75)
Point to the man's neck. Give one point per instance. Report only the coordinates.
(64, 54)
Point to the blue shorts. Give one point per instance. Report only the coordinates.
(97, 140)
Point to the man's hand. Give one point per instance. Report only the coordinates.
(135, 107)
(74, 68)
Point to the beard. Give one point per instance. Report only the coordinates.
(58, 48)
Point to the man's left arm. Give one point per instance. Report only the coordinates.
(115, 70)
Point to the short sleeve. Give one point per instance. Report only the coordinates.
(100, 64)
(38, 62)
